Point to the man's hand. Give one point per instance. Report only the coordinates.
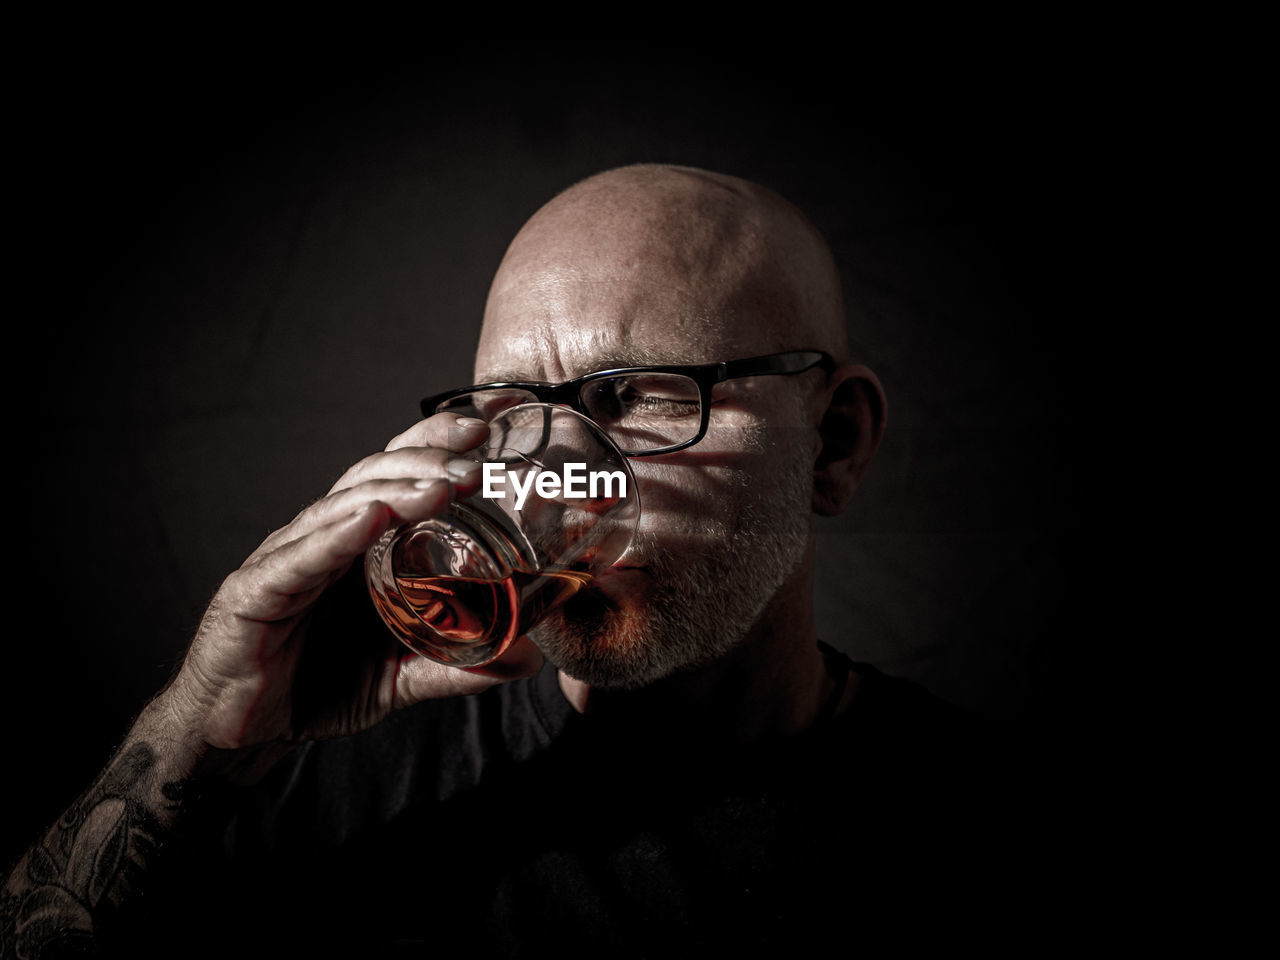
(291, 647)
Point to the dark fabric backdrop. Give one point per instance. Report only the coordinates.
(246, 270)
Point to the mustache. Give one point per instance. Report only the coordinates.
(704, 542)
(654, 553)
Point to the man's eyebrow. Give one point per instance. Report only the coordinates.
(503, 376)
(612, 361)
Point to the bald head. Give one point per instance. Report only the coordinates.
(722, 264)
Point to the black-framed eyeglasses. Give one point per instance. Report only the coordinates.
(644, 410)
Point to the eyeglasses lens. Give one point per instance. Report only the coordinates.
(645, 411)
(640, 412)
(485, 404)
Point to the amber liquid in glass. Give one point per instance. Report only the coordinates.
(474, 620)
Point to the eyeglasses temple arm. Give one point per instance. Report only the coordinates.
(796, 362)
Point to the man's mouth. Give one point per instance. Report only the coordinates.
(617, 583)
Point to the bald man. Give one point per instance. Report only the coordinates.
(673, 757)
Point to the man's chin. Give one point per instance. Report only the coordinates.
(594, 641)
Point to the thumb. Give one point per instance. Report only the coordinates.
(422, 679)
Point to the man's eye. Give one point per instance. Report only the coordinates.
(650, 405)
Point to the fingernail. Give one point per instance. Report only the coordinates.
(424, 484)
(469, 422)
(462, 470)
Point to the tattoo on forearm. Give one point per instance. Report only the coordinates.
(91, 858)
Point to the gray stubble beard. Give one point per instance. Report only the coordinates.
(701, 606)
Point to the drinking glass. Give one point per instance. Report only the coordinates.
(461, 587)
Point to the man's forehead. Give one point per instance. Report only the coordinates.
(681, 271)
(559, 322)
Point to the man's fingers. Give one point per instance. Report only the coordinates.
(432, 449)
(283, 582)
(521, 659)
(422, 679)
(410, 500)
(445, 430)
(406, 474)
(407, 463)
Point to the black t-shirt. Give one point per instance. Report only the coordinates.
(507, 824)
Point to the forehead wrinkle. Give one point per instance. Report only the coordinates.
(562, 330)
(530, 355)
(600, 353)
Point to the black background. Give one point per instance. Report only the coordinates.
(242, 268)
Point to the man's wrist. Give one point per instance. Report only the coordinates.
(178, 730)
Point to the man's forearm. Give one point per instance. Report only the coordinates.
(98, 855)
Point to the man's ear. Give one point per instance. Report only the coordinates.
(850, 432)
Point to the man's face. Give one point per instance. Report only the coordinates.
(725, 523)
